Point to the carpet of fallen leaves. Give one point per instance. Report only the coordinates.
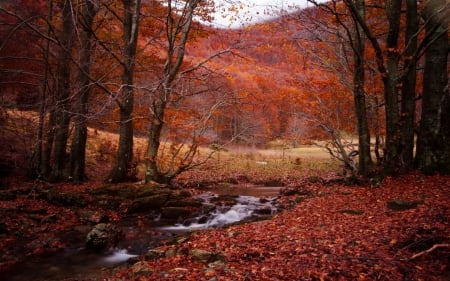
(338, 232)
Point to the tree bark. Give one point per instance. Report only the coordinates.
(123, 166)
(62, 107)
(39, 165)
(365, 159)
(78, 148)
(391, 82)
(408, 102)
(433, 140)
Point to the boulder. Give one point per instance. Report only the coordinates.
(103, 236)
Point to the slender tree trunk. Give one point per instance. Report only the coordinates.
(408, 102)
(123, 165)
(78, 148)
(62, 109)
(154, 135)
(174, 59)
(433, 143)
(39, 168)
(365, 159)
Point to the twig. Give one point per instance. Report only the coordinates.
(430, 250)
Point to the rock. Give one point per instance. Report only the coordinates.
(352, 212)
(175, 213)
(141, 268)
(103, 236)
(154, 254)
(149, 190)
(184, 203)
(206, 256)
(263, 211)
(92, 216)
(152, 202)
(55, 196)
(180, 194)
(401, 205)
(228, 200)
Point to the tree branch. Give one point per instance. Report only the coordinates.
(435, 246)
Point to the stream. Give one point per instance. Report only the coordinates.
(76, 263)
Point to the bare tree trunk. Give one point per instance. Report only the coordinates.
(62, 107)
(123, 165)
(78, 148)
(39, 164)
(408, 102)
(391, 159)
(433, 142)
(365, 159)
(175, 56)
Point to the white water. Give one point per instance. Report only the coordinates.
(245, 208)
(118, 256)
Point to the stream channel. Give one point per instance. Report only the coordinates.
(77, 263)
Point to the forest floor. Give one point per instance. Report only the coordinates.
(326, 230)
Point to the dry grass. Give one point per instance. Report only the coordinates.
(102, 146)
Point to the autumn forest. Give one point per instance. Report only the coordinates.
(139, 102)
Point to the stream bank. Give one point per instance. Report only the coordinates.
(143, 228)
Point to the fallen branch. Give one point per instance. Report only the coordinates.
(430, 250)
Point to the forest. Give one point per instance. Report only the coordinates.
(127, 112)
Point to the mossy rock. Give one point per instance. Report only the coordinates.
(206, 256)
(147, 203)
(401, 205)
(103, 236)
(57, 197)
(352, 212)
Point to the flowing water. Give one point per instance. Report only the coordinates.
(75, 263)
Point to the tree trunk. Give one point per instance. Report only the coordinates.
(433, 142)
(62, 107)
(78, 148)
(123, 166)
(39, 165)
(154, 135)
(365, 160)
(408, 102)
(175, 56)
(391, 157)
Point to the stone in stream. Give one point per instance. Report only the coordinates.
(103, 236)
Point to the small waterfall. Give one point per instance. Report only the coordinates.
(244, 208)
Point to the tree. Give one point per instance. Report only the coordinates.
(177, 32)
(123, 165)
(433, 145)
(78, 147)
(345, 43)
(61, 113)
(408, 91)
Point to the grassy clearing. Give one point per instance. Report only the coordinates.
(278, 162)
